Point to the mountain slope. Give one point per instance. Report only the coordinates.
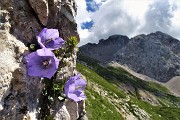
(174, 84)
(104, 50)
(113, 93)
(156, 55)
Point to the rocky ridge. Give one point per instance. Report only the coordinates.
(104, 50)
(156, 55)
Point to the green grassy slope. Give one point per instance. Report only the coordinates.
(104, 89)
(98, 107)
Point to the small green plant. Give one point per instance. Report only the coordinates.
(71, 44)
(72, 41)
(57, 87)
(32, 46)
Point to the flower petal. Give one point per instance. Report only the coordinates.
(74, 88)
(33, 59)
(51, 70)
(51, 33)
(44, 52)
(69, 87)
(82, 96)
(35, 71)
(80, 84)
(55, 44)
(50, 39)
(40, 42)
(73, 97)
(43, 32)
(35, 63)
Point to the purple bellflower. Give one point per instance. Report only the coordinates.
(42, 63)
(50, 39)
(74, 88)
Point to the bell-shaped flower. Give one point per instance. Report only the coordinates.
(42, 63)
(74, 88)
(50, 39)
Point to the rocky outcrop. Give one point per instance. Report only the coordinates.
(156, 55)
(153, 55)
(104, 50)
(20, 22)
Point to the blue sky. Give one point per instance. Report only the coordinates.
(87, 25)
(98, 19)
(92, 6)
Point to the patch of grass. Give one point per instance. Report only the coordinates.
(158, 112)
(147, 107)
(169, 113)
(125, 77)
(99, 108)
(158, 87)
(92, 76)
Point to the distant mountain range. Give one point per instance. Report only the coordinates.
(156, 55)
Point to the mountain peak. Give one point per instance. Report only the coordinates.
(113, 39)
(141, 36)
(104, 50)
(156, 55)
(159, 32)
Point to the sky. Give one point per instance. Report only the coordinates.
(98, 19)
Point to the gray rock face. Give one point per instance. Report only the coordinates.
(20, 22)
(104, 50)
(156, 55)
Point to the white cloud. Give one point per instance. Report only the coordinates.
(82, 16)
(82, 13)
(100, 1)
(175, 28)
(137, 10)
(129, 17)
(158, 17)
(111, 19)
(163, 15)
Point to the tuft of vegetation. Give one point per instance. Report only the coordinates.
(71, 43)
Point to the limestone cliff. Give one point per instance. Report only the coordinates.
(20, 22)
